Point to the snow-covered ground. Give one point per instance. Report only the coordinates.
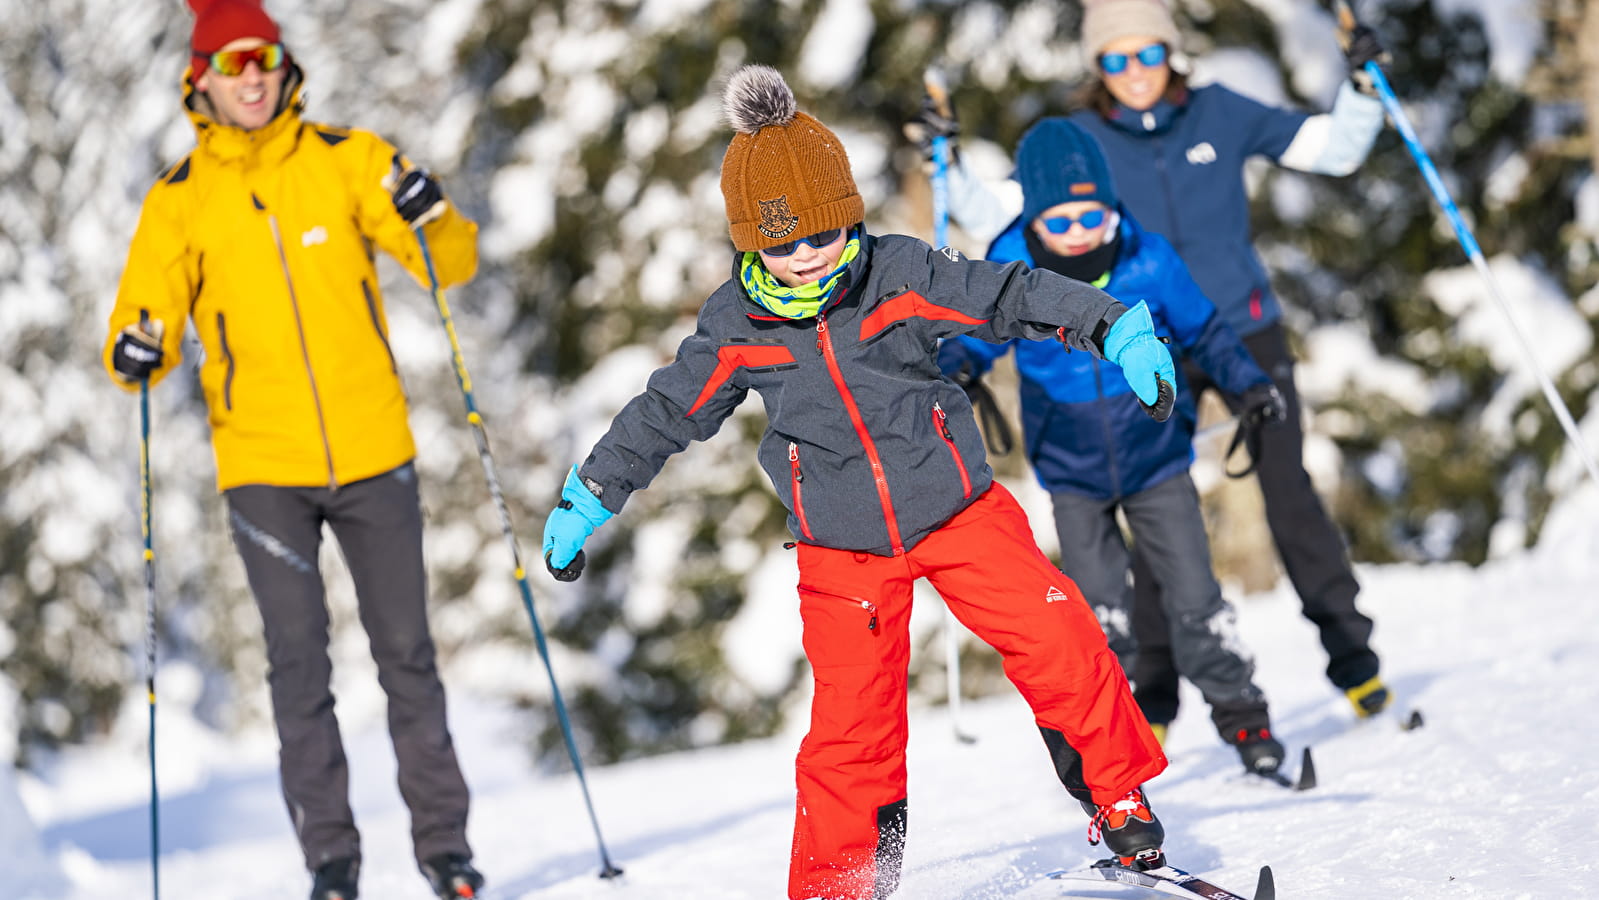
(1495, 797)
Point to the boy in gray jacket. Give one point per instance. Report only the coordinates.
(880, 463)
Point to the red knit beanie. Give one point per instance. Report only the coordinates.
(218, 23)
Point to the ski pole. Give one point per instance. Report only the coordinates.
(149, 616)
(952, 677)
(608, 869)
(1215, 429)
(939, 93)
(1468, 242)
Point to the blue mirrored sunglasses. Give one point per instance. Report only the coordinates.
(1062, 224)
(1116, 63)
(816, 241)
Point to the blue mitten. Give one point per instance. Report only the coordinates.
(1131, 343)
(569, 525)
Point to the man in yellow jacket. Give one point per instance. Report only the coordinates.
(263, 237)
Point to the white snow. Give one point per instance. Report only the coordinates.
(1513, 29)
(1490, 798)
(835, 47)
(1340, 356)
(1535, 306)
(1307, 34)
(1246, 71)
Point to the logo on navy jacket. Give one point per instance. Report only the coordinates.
(1201, 154)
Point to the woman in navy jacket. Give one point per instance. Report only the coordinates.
(1176, 154)
(1093, 448)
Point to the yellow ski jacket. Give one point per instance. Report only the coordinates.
(265, 239)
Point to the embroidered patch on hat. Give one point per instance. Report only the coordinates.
(777, 220)
(1083, 187)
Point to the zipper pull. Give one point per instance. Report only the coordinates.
(821, 331)
(793, 461)
(943, 421)
(871, 624)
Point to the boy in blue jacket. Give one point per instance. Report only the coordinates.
(1094, 449)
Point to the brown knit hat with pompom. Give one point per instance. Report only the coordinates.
(785, 175)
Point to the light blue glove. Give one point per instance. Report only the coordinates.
(570, 524)
(1131, 343)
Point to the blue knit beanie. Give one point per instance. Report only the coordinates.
(1058, 162)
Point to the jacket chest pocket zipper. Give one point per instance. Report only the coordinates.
(941, 422)
(798, 480)
(227, 354)
(869, 607)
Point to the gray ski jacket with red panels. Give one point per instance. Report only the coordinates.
(868, 445)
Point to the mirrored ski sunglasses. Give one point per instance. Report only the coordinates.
(1062, 224)
(816, 241)
(232, 63)
(1116, 63)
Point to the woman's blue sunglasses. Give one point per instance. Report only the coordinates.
(1062, 224)
(1116, 63)
(816, 242)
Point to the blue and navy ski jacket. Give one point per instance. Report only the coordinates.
(1180, 170)
(1085, 431)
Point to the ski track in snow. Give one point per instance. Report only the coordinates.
(1503, 660)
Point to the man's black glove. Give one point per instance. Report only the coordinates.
(417, 197)
(137, 352)
(933, 121)
(1361, 45)
(1263, 405)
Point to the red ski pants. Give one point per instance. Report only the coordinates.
(849, 826)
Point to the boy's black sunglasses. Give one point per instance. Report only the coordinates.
(816, 241)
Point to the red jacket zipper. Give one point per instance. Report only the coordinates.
(799, 477)
(941, 420)
(825, 343)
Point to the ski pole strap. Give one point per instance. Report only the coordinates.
(1248, 436)
(996, 431)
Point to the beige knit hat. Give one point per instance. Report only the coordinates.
(785, 175)
(1105, 21)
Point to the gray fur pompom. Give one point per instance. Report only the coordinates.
(757, 96)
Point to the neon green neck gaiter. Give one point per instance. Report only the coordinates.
(801, 302)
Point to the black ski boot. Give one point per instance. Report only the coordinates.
(1129, 829)
(336, 878)
(452, 876)
(1262, 754)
